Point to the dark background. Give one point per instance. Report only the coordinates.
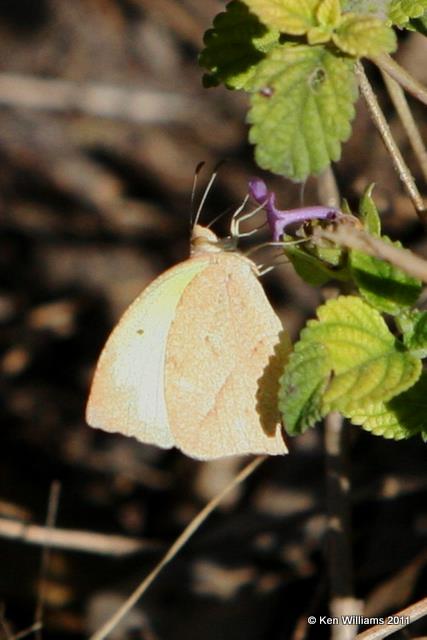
(93, 205)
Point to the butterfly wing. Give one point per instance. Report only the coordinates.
(226, 349)
(127, 393)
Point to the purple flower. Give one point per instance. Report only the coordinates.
(279, 219)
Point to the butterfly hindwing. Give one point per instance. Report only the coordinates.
(225, 351)
(128, 394)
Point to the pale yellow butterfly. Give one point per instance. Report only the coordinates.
(194, 362)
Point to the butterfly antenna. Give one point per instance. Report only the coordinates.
(197, 170)
(206, 192)
(219, 216)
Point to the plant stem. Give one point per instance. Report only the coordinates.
(74, 539)
(340, 561)
(189, 530)
(347, 235)
(384, 130)
(413, 612)
(403, 77)
(339, 550)
(52, 512)
(401, 105)
(327, 189)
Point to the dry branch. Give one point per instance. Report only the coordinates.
(96, 99)
(398, 98)
(381, 123)
(346, 235)
(73, 540)
(413, 612)
(405, 79)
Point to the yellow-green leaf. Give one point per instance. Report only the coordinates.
(346, 361)
(313, 267)
(329, 13)
(234, 46)
(368, 363)
(298, 127)
(385, 287)
(364, 36)
(402, 11)
(302, 386)
(369, 213)
(402, 417)
(420, 24)
(295, 17)
(415, 335)
(319, 35)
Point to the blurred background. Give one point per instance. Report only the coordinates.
(103, 120)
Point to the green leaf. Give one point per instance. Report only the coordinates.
(415, 333)
(329, 13)
(345, 207)
(345, 361)
(295, 17)
(319, 35)
(298, 129)
(235, 45)
(364, 36)
(402, 417)
(406, 321)
(401, 11)
(331, 255)
(302, 386)
(313, 269)
(420, 24)
(368, 363)
(385, 287)
(369, 213)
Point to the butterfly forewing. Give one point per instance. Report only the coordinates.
(225, 351)
(128, 392)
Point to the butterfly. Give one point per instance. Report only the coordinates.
(195, 360)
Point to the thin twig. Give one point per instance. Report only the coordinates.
(175, 548)
(397, 95)
(301, 629)
(52, 512)
(327, 189)
(74, 539)
(346, 235)
(408, 616)
(27, 632)
(384, 130)
(96, 99)
(4, 627)
(340, 560)
(403, 77)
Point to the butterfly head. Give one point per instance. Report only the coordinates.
(203, 240)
